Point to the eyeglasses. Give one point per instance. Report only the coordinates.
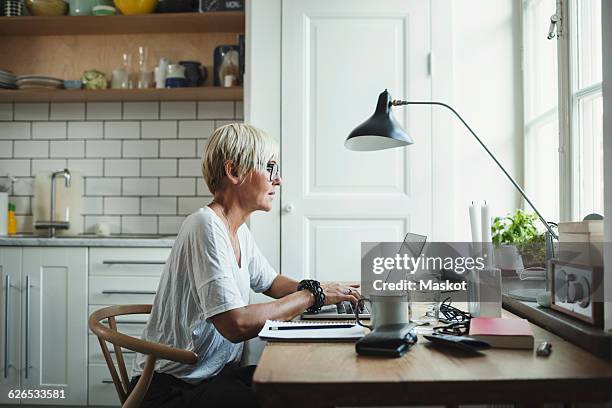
(274, 170)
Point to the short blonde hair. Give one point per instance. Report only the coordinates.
(246, 146)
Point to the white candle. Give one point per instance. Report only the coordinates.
(486, 222)
(475, 223)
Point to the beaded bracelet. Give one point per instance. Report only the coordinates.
(317, 291)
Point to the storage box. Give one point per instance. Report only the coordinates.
(581, 242)
(220, 5)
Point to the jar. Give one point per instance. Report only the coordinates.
(82, 7)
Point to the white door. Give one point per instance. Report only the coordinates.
(337, 56)
(55, 323)
(10, 321)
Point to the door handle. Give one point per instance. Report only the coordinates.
(27, 328)
(7, 303)
(289, 208)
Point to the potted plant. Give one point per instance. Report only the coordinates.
(518, 242)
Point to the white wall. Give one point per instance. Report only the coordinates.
(487, 92)
(263, 105)
(607, 131)
(263, 109)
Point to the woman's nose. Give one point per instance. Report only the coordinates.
(277, 181)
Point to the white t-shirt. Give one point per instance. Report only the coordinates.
(201, 279)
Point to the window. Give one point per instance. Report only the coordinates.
(563, 108)
(541, 132)
(586, 133)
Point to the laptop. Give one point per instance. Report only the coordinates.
(413, 246)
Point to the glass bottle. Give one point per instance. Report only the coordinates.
(12, 221)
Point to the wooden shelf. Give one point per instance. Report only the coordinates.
(204, 93)
(212, 22)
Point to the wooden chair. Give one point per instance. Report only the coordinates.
(153, 351)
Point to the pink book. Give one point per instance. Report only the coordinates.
(502, 333)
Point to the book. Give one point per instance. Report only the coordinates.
(310, 331)
(502, 333)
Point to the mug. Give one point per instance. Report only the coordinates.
(195, 73)
(385, 309)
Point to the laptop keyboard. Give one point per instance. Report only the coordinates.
(347, 307)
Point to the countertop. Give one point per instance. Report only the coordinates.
(89, 240)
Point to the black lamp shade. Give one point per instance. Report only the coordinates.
(380, 131)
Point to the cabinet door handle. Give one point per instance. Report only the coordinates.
(7, 303)
(27, 328)
(126, 262)
(127, 292)
(107, 381)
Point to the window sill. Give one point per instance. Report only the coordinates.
(590, 338)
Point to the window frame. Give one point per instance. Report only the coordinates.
(569, 97)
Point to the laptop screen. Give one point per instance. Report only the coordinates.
(412, 246)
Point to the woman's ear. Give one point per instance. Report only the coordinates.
(230, 172)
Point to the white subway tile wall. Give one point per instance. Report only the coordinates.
(6, 111)
(103, 110)
(67, 111)
(179, 110)
(85, 130)
(6, 148)
(137, 178)
(49, 130)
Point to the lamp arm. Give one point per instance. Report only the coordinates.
(516, 185)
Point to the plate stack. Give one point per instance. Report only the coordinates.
(13, 8)
(7, 80)
(39, 81)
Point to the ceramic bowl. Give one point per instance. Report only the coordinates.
(102, 10)
(72, 84)
(47, 7)
(130, 7)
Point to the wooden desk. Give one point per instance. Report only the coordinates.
(332, 374)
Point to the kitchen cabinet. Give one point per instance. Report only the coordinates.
(119, 276)
(45, 323)
(66, 46)
(10, 329)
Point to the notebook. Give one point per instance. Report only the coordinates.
(502, 333)
(304, 331)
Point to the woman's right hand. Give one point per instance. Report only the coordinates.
(336, 293)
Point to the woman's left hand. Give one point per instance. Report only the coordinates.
(336, 293)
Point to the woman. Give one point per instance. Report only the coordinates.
(202, 299)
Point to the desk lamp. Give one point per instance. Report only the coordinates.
(381, 131)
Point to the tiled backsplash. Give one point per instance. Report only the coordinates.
(140, 160)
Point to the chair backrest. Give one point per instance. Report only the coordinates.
(153, 351)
